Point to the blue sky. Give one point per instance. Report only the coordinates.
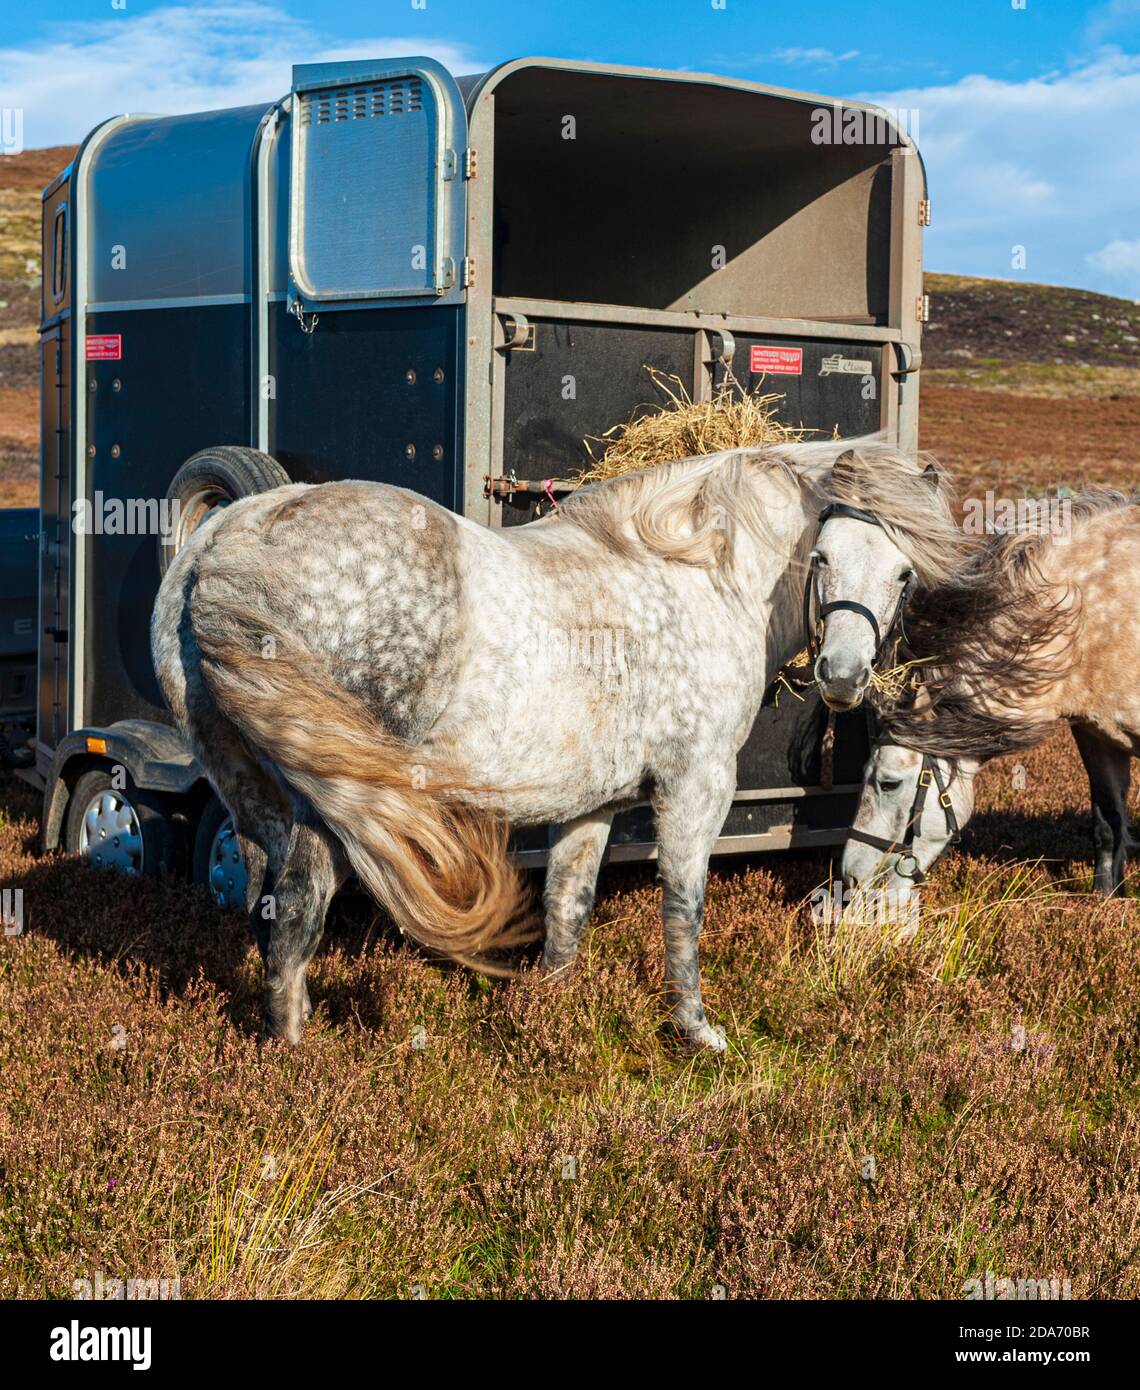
(1028, 110)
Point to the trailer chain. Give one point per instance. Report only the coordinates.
(299, 314)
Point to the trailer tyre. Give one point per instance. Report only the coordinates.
(218, 863)
(120, 826)
(212, 479)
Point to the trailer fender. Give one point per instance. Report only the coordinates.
(154, 755)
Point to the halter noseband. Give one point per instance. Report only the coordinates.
(928, 774)
(846, 604)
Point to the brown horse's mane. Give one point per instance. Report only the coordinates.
(991, 642)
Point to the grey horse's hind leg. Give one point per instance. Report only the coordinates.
(1109, 768)
(262, 811)
(571, 882)
(315, 867)
(690, 815)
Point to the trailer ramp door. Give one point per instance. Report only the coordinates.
(377, 191)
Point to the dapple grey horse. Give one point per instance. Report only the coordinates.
(374, 684)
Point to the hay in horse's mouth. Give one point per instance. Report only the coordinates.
(680, 428)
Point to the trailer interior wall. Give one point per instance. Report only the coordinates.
(661, 173)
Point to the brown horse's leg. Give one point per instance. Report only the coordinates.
(1109, 768)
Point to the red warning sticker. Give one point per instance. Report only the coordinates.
(785, 361)
(104, 347)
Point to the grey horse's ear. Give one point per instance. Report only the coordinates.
(844, 465)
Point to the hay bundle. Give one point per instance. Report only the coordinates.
(683, 428)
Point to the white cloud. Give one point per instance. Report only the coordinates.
(1051, 164)
(1120, 259)
(820, 57)
(1111, 18)
(182, 58)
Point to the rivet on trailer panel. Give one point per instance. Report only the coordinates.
(409, 451)
(115, 451)
(410, 376)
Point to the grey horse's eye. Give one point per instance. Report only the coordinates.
(889, 784)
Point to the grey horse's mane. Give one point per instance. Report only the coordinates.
(688, 511)
(992, 641)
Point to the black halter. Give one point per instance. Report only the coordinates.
(846, 604)
(928, 774)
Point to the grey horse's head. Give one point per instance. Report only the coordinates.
(861, 576)
(886, 525)
(910, 809)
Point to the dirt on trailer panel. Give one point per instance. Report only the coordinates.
(509, 1139)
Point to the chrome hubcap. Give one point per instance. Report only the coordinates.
(227, 869)
(198, 508)
(111, 836)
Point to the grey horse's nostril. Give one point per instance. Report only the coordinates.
(821, 669)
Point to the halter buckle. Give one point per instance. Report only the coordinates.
(946, 801)
(925, 777)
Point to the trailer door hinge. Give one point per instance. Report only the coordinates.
(468, 272)
(924, 212)
(922, 308)
(470, 163)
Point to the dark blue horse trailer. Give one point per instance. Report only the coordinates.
(446, 284)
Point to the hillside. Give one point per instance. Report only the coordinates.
(1023, 385)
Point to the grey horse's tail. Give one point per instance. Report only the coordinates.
(438, 866)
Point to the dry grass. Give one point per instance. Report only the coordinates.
(552, 1142)
(732, 418)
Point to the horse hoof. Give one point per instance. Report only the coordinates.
(701, 1037)
(558, 971)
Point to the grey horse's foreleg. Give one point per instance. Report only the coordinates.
(1109, 768)
(571, 882)
(689, 819)
(315, 867)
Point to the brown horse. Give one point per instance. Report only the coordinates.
(1035, 630)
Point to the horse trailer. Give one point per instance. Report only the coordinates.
(447, 284)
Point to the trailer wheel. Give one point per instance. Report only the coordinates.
(212, 479)
(121, 828)
(218, 864)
